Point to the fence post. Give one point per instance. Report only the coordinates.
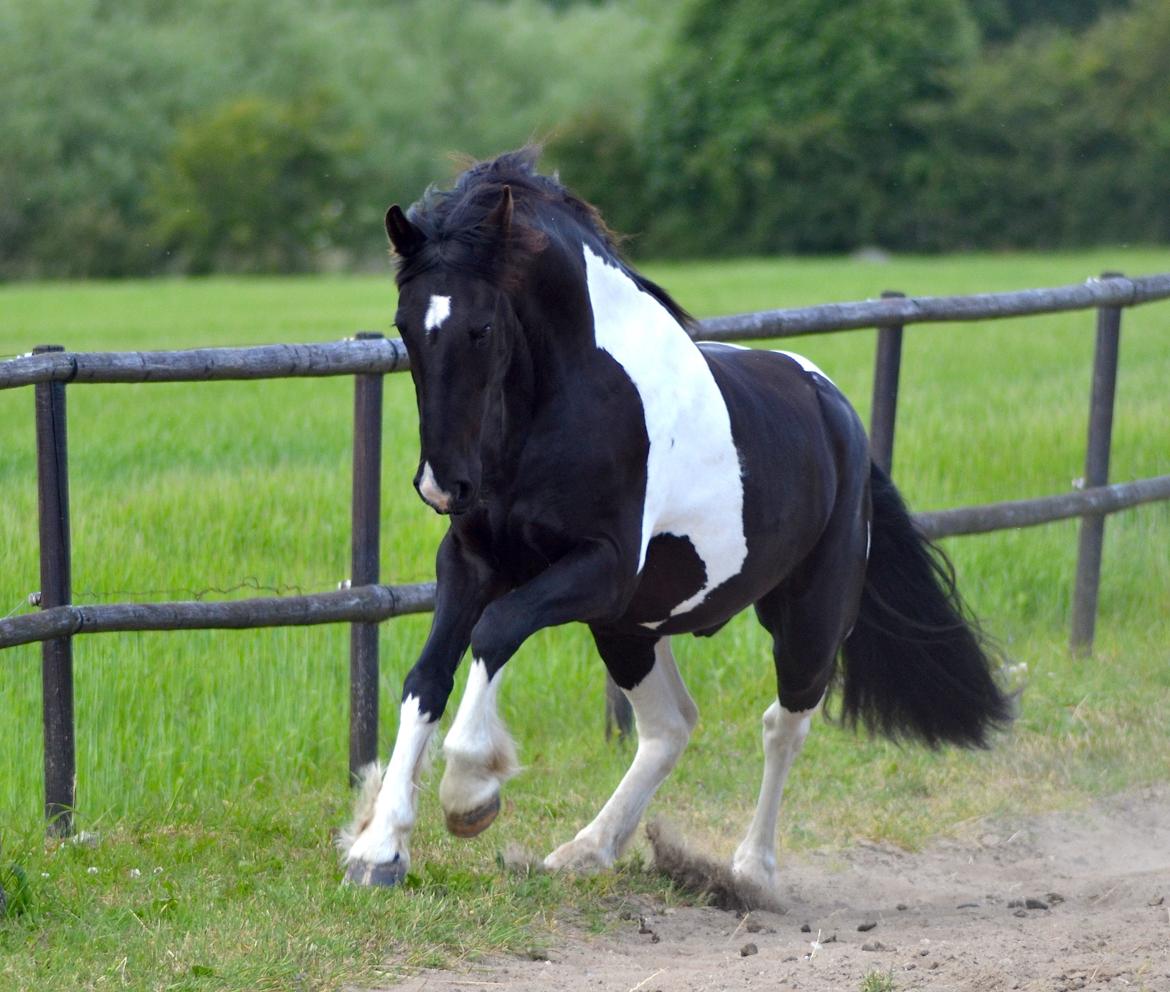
(56, 590)
(364, 569)
(887, 367)
(619, 714)
(1092, 537)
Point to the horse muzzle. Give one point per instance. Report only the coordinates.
(459, 498)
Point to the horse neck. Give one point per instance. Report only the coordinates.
(554, 311)
(551, 332)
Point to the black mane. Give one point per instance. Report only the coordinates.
(453, 223)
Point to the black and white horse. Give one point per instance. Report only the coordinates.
(600, 466)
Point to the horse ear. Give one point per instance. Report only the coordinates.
(404, 236)
(501, 216)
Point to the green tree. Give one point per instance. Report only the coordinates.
(785, 126)
(1056, 140)
(1003, 20)
(102, 100)
(86, 108)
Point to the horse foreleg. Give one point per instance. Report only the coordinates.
(479, 754)
(665, 715)
(480, 757)
(377, 845)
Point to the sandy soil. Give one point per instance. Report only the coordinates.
(1052, 903)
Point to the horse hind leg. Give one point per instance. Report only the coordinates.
(665, 715)
(784, 734)
(808, 617)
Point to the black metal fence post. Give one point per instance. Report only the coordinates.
(887, 368)
(56, 590)
(1092, 537)
(365, 570)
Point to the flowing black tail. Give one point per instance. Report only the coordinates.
(915, 664)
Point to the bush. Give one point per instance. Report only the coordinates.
(254, 185)
(1003, 20)
(273, 134)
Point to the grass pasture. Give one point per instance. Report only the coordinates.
(211, 765)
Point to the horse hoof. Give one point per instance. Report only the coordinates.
(581, 857)
(474, 821)
(385, 873)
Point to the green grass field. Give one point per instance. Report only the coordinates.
(211, 765)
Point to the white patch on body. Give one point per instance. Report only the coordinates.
(439, 498)
(479, 752)
(800, 360)
(438, 310)
(665, 715)
(784, 734)
(383, 835)
(694, 486)
(804, 363)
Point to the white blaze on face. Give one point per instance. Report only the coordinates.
(693, 483)
(439, 498)
(438, 310)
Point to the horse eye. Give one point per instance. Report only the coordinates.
(479, 333)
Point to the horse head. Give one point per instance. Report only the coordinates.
(459, 329)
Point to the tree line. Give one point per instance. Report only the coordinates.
(148, 136)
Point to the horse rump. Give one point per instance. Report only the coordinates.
(916, 665)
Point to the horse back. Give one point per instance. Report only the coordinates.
(797, 435)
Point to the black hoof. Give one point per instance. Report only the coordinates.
(387, 873)
(474, 821)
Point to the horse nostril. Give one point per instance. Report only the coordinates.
(460, 493)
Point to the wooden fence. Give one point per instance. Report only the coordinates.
(365, 602)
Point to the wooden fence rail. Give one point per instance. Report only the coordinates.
(374, 355)
(1099, 500)
(371, 604)
(365, 602)
(382, 355)
(359, 604)
(894, 309)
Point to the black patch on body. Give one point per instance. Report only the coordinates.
(673, 573)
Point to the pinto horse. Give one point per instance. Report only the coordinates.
(600, 466)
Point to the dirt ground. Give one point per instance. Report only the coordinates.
(1055, 902)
